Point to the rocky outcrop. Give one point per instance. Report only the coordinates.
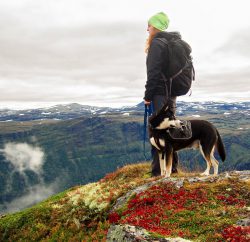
(178, 182)
(129, 233)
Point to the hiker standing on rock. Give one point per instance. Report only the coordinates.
(156, 92)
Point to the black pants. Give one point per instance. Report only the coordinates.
(158, 102)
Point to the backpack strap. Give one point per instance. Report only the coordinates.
(163, 40)
(167, 81)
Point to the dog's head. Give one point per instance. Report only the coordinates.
(164, 119)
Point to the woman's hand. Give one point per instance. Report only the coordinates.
(147, 102)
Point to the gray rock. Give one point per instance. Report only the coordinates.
(241, 175)
(128, 233)
(244, 222)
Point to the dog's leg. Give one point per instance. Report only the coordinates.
(207, 159)
(152, 141)
(215, 163)
(162, 160)
(162, 164)
(168, 159)
(169, 162)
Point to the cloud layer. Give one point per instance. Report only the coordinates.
(93, 53)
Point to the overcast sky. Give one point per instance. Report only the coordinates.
(92, 51)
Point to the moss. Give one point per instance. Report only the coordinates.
(81, 213)
(32, 219)
(57, 197)
(55, 218)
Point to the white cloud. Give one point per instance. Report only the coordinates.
(24, 157)
(34, 195)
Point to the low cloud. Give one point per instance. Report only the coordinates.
(34, 195)
(24, 157)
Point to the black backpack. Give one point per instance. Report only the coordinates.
(180, 71)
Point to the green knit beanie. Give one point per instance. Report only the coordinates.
(159, 21)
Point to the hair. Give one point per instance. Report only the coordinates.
(148, 43)
(149, 40)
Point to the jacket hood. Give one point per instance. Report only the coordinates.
(168, 35)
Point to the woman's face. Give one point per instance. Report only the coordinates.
(152, 30)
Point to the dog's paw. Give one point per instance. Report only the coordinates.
(163, 173)
(166, 174)
(204, 174)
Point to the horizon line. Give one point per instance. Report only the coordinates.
(47, 105)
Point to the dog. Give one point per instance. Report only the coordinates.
(203, 136)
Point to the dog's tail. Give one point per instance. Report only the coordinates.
(220, 147)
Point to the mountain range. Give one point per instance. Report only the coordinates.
(75, 110)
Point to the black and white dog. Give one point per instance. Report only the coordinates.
(203, 136)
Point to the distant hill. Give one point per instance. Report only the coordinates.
(74, 110)
(40, 157)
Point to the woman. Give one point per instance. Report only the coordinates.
(155, 88)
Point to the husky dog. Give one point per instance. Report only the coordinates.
(203, 136)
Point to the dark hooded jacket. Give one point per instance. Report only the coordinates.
(156, 63)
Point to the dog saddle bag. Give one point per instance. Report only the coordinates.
(183, 133)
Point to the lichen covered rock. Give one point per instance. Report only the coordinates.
(195, 208)
(128, 233)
